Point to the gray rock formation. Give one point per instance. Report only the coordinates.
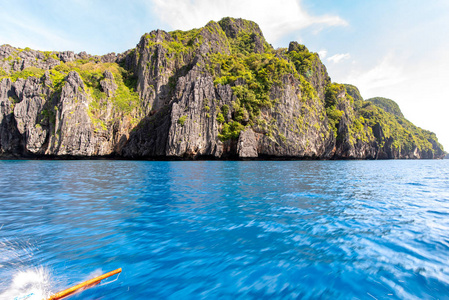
(247, 144)
(217, 92)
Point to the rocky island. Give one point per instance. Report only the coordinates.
(217, 92)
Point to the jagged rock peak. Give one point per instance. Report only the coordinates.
(388, 105)
(208, 39)
(354, 92)
(295, 46)
(227, 36)
(245, 36)
(233, 27)
(16, 59)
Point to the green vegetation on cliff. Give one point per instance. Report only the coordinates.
(395, 132)
(239, 56)
(25, 73)
(376, 119)
(245, 37)
(284, 95)
(333, 93)
(252, 68)
(92, 74)
(302, 58)
(252, 78)
(388, 105)
(125, 99)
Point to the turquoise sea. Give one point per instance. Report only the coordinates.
(226, 229)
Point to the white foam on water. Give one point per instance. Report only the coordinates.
(24, 278)
(93, 274)
(29, 285)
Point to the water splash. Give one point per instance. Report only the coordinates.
(29, 284)
(95, 273)
(26, 279)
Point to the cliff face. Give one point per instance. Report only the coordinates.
(59, 112)
(220, 91)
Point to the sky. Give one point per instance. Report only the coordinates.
(396, 49)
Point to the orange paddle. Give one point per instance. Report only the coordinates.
(85, 285)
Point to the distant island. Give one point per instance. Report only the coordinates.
(217, 92)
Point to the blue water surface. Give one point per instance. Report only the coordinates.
(230, 230)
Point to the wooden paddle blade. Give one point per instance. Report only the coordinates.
(87, 284)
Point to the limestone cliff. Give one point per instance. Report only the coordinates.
(219, 92)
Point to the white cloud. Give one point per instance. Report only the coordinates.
(276, 18)
(96, 27)
(322, 54)
(32, 34)
(388, 72)
(339, 57)
(416, 87)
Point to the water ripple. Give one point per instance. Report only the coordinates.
(270, 230)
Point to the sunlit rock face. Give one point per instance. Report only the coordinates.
(218, 92)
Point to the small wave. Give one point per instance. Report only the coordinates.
(438, 212)
(415, 184)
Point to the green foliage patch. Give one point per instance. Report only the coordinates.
(182, 120)
(26, 73)
(125, 98)
(244, 37)
(177, 42)
(230, 130)
(3, 73)
(251, 78)
(333, 92)
(48, 55)
(303, 60)
(404, 135)
(369, 121)
(388, 105)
